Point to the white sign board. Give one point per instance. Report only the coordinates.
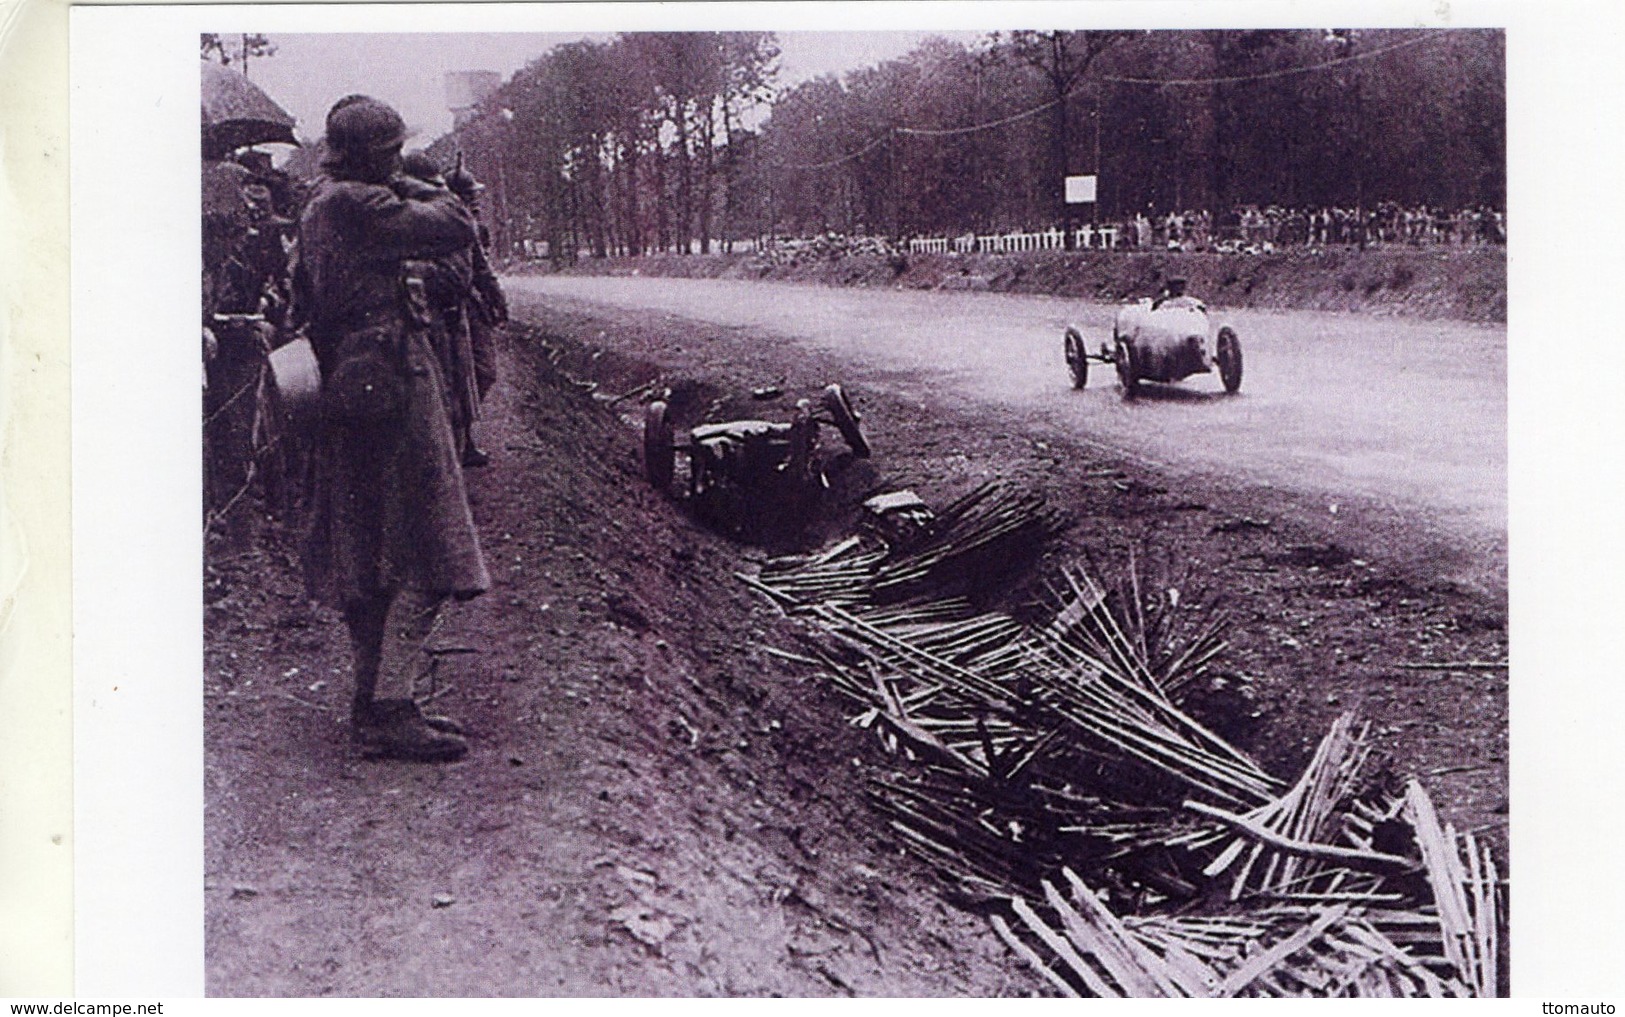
(1080, 190)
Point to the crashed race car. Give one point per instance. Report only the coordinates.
(743, 474)
(1165, 339)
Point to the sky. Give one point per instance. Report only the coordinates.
(310, 71)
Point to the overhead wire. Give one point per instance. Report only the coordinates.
(874, 142)
(1283, 72)
(940, 132)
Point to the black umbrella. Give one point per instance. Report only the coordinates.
(236, 113)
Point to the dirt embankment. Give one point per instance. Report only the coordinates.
(1467, 284)
(654, 803)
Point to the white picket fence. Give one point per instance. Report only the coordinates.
(1083, 238)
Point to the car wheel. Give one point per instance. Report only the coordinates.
(798, 461)
(1228, 354)
(839, 407)
(1077, 359)
(1128, 371)
(659, 453)
(699, 471)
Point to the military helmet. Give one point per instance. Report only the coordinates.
(419, 164)
(360, 124)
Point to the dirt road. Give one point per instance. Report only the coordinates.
(1405, 417)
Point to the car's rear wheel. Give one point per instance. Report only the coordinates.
(1128, 369)
(798, 461)
(659, 452)
(845, 418)
(1077, 359)
(1228, 354)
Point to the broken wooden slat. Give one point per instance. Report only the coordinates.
(1026, 953)
(1109, 950)
(1328, 852)
(1445, 877)
(1099, 986)
(1256, 966)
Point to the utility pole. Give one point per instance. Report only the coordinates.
(772, 177)
(891, 185)
(504, 134)
(1360, 149)
(1094, 206)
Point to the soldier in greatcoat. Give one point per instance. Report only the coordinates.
(392, 537)
(488, 307)
(468, 301)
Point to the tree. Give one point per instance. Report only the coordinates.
(1063, 58)
(804, 135)
(749, 65)
(237, 48)
(652, 140)
(685, 70)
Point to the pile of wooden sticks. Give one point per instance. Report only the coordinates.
(1119, 845)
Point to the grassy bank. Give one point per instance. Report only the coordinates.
(1467, 284)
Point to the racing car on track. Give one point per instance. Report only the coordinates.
(1163, 339)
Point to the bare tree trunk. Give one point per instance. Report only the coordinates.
(707, 173)
(554, 205)
(662, 227)
(596, 211)
(685, 183)
(729, 171)
(629, 184)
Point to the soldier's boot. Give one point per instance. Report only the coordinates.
(396, 729)
(405, 663)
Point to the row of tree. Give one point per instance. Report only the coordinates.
(235, 49)
(626, 146)
(670, 141)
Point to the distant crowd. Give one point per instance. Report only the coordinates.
(1256, 229)
(1245, 229)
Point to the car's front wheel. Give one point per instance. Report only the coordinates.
(1128, 369)
(845, 418)
(659, 452)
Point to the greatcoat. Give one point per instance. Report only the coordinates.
(389, 511)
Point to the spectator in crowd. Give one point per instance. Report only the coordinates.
(241, 278)
(1250, 229)
(488, 305)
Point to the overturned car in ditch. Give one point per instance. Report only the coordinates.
(747, 476)
(1163, 339)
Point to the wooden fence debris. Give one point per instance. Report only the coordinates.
(1123, 848)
